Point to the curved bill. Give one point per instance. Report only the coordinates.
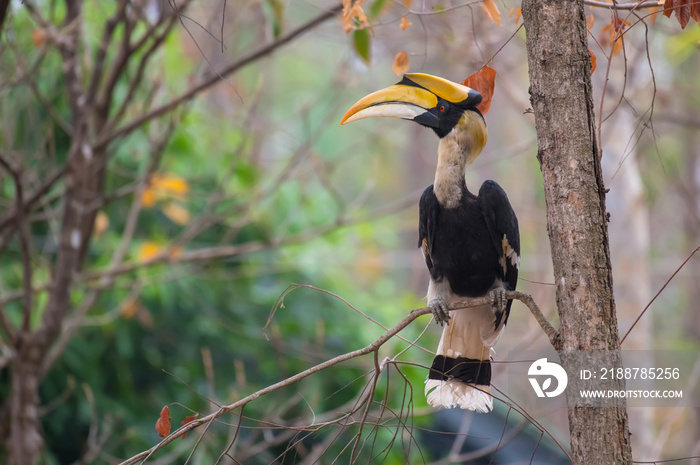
(397, 101)
(412, 98)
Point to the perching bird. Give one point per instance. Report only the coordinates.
(470, 242)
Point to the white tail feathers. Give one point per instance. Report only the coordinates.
(453, 393)
(463, 362)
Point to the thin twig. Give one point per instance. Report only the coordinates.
(622, 6)
(10, 219)
(23, 237)
(212, 79)
(371, 348)
(658, 293)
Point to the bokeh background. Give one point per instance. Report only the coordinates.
(220, 205)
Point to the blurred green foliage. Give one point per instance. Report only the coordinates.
(259, 167)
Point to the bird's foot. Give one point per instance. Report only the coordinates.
(440, 312)
(498, 301)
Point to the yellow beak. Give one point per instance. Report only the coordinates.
(414, 96)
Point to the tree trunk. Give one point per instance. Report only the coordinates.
(561, 97)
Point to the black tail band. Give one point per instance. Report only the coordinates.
(467, 370)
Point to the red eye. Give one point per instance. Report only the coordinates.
(442, 108)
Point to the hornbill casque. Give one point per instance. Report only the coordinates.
(470, 242)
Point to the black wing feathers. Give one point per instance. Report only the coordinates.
(503, 229)
(428, 218)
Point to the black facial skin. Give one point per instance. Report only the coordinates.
(443, 117)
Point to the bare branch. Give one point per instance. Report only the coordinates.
(23, 237)
(658, 293)
(11, 217)
(155, 44)
(212, 79)
(371, 348)
(110, 26)
(622, 6)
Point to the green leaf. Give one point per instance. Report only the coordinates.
(276, 11)
(361, 42)
(376, 8)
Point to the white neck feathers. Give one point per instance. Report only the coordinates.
(456, 151)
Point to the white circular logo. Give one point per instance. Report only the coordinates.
(541, 368)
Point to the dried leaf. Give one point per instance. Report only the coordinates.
(177, 213)
(684, 9)
(164, 186)
(148, 197)
(517, 12)
(484, 82)
(163, 425)
(38, 36)
(129, 308)
(101, 223)
(617, 47)
(172, 185)
(611, 34)
(593, 60)
(187, 420)
(653, 13)
(491, 11)
(590, 20)
(353, 16)
(175, 252)
(619, 24)
(401, 63)
(404, 23)
(695, 11)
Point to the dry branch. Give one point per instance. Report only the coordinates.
(371, 348)
(216, 77)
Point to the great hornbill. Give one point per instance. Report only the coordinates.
(470, 242)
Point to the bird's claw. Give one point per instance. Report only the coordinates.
(498, 300)
(440, 312)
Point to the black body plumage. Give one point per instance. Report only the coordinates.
(465, 245)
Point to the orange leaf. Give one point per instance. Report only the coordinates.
(185, 421)
(619, 24)
(170, 185)
(611, 34)
(484, 82)
(407, 3)
(590, 20)
(148, 250)
(148, 197)
(491, 11)
(517, 12)
(38, 37)
(404, 23)
(592, 60)
(617, 47)
(353, 16)
(695, 11)
(164, 186)
(177, 213)
(684, 9)
(101, 223)
(163, 425)
(401, 63)
(668, 8)
(653, 13)
(175, 251)
(129, 308)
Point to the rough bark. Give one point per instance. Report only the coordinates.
(561, 97)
